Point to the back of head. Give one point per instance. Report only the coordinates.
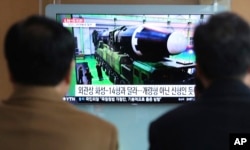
(222, 46)
(39, 51)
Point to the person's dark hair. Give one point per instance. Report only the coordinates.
(39, 51)
(199, 88)
(222, 46)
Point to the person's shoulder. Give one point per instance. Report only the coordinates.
(2, 102)
(179, 114)
(84, 117)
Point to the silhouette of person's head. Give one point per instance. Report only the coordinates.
(222, 47)
(39, 51)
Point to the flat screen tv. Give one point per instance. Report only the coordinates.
(132, 53)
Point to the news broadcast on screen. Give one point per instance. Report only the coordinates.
(132, 56)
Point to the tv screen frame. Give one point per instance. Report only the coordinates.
(51, 10)
(129, 92)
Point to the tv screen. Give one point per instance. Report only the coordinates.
(132, 53)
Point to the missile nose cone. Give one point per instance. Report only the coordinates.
(176, 43)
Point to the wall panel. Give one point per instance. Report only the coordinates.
(241, 7)
(11, 11)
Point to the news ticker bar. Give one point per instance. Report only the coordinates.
(128, 99)
(134, 90)
(79, 24)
